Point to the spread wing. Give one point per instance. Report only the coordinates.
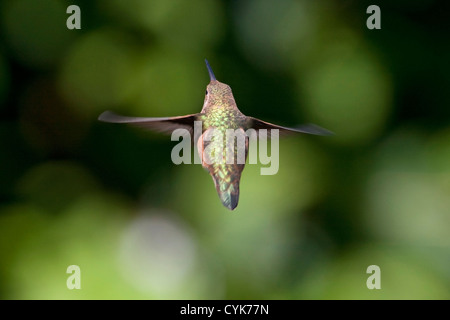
(165, 124)
(306, 128)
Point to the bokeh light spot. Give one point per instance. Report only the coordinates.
(36, 30)
(348, 92)
(401, 277)
(160, 257)
(268, 31)
(55, 185)
(97, 73)
(168, 83)
(406, 200)
(168, 21)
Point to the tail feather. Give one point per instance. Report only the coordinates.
(229, 199)
(228, 193)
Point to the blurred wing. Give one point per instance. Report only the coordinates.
(165, 124)
(306, 128)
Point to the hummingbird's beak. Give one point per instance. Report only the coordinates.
(212, 77)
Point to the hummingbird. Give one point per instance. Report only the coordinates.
(219, 113)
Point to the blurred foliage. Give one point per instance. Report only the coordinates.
(108, 198)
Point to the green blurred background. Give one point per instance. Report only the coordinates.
(109, 199)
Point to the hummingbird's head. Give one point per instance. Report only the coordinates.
(216, 90)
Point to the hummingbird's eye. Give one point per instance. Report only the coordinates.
(206, 91)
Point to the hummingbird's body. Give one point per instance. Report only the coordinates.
(219, 114)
